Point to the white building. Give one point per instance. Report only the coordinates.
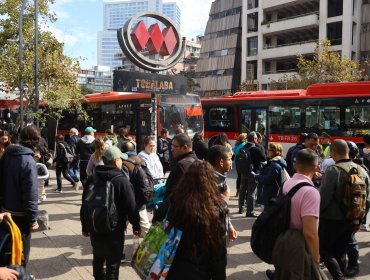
(116, 13)
(98, 79)
(276, 31)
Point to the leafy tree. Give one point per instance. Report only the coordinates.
(248, 85)
(57, 72)
(326, 66)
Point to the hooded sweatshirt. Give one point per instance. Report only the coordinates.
(123, 195)
(19, 188)
(85, 147)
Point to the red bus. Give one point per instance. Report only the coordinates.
(113, 110)
(340, 109)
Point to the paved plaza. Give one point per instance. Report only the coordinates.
(63, 253)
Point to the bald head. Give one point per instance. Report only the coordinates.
(339, 150)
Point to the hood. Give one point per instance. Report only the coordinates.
(87, 139)
(280, 160)
(17, 150)
(104, 172)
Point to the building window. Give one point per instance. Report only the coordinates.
(252, 4)
(252, 22)
(252, 70)
(335, 33)
(252, 46)
(335, 8)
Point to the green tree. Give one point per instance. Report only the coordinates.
(326, 66)
(57, 72)
(248, 85)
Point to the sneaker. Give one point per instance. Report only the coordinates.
(251, 215)
(58, 191)
(123, 258)
(352, 271)
(43, 197)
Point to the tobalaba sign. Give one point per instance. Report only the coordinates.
(147, 82)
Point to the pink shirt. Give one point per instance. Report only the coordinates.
(306, 201)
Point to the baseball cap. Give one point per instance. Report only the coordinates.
(89, 129)
(112, 153)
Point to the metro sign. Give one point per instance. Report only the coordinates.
(166, 42)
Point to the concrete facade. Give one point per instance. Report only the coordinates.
(276, 31)
(98, 79)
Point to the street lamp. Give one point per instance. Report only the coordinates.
(21, 43)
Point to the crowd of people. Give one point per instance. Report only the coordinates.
(196, 196)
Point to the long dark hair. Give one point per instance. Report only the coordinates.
(196, 209)
(5, 133)
(30, 136)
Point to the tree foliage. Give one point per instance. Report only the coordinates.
(248, 85)
(57, 72)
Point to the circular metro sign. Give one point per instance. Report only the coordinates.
(167, 42)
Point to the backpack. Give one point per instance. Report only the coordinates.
(99, 213)
(69, 153)
(273, 221)
(243, 160)
(143, 182)
(353, 205)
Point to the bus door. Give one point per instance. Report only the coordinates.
(143, 124)
(254, 119)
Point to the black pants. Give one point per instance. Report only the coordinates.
(107, 249)
(59, 170)
(83, 175)
(24, 227)
(334, 237)
(247, 193)
(352, 251)
(238, 181)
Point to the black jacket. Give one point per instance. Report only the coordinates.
(85, 147)
(123, 195)
(60, 154)
(211, 265)
(163, 149)
(201, 149)
(178, 170)
(19, 188)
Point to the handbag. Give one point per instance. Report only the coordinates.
(154, 256)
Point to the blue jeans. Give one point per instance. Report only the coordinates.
(73, 173)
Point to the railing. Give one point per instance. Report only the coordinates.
(290, 44)
(265, 22)
(279, 71)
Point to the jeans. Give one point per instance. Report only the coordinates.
(59, 170)
(107, 249)
(352, 251)
(73, 173)
(247, 192)
(334, 237)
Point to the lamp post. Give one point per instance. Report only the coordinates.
(21, 43)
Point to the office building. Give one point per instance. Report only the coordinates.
(97, 79)
(116, 13)
(218, 68)
(276, 31)
(365, 37)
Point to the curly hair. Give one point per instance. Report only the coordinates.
(197, 209)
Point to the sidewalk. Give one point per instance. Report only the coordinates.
(63, 253)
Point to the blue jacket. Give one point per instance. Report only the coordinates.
(19, 188)
(269, 180)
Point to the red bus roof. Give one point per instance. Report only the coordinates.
(314, 91)
(113, 96)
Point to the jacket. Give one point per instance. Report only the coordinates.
(211, 265)
(123, 195)
(292, 260)
(178, 170)
(237, 149)
(332, 190)
(85, 147)
(19, 188)
(73, 140)
(60, 154)
(201, 149)
(163, 149)
(270, 179)
(153, 163)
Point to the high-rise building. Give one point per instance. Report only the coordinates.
(97, 79)
(116, 13)
(365, 36)
(276, 31)
(218, 68)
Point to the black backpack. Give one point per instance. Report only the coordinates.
(142, 181)
(243, 160)
(69, 153)
(99, 212)
(272, 222)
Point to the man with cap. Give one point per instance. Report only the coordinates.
(84, 149)
(107, 248)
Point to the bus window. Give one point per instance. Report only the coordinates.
(322, 117)
(246, 120)
(284, 118)
(220, 118)
(357, 116)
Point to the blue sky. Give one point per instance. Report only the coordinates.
(80, 20)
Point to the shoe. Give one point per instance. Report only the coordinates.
(251, 215)
(76, 186)
(237, 193)
(352, 271)
(123, 258)
(58, 191)
(322, 265)
(270, 274)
